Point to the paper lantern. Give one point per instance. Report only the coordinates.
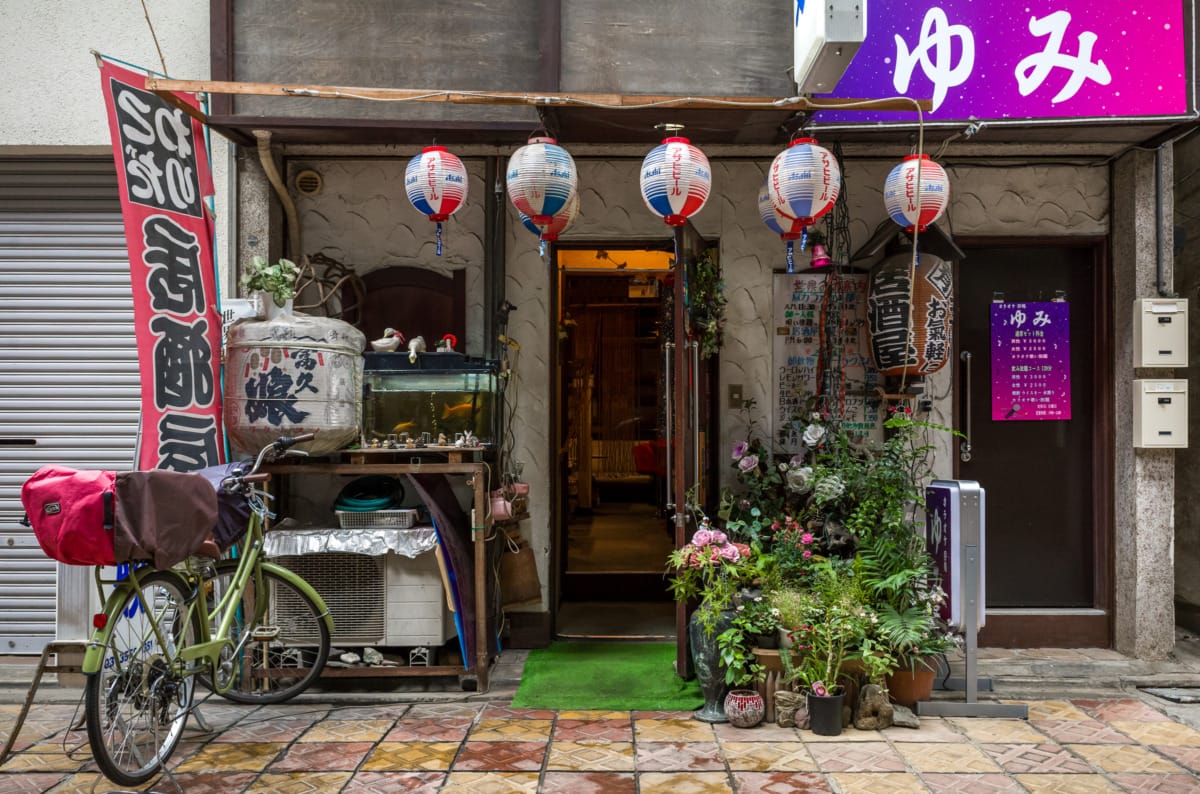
(436, 183)
(790, 229)
(541, 179)
(676, 180)
(900, 192)
(804, 181)
(910, 342)
(549, 232)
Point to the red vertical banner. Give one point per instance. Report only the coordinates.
(162, 168)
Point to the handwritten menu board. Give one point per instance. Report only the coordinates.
(798, 302)
(1031, 361)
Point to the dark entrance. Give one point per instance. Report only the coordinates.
(1046, 482)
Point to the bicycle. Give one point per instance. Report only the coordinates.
(248, 629)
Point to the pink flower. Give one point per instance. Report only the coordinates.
(702, 538)
(739, 449)
(719, 537)
(818, 688)
(807, 554)
(748, 463)
(806, 538)
(731, 553)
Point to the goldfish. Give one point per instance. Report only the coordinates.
(461, 411)
(403, 427)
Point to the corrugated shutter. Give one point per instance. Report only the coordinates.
(69, 388)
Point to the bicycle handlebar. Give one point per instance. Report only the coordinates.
(277, 447)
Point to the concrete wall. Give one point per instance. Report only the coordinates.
(1187, 461)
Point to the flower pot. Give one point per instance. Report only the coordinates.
(825, 713)
(710, 673)
(768, 642)
(907, 685)
(744, 708)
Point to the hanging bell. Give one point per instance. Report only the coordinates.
(820, 257)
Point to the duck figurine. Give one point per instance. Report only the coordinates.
(391, 341)
(415, 345)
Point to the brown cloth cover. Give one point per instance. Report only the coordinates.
(162, 516)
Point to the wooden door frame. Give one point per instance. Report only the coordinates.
(1066, 628)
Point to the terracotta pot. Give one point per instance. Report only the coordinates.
(912, 683)
(744, 708)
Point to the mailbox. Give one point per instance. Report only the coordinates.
(1160, 413)
(1160, 332)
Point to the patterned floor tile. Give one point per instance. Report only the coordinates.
(247, 757)
(209, 782)
(1187, 757)
(1040, 758)
(588, 783)
(593, 715)
(375, 782)
(684, 783)
(493, 711)
(950, 783)
(415, 756)
(1160, 784)
(1123, 709)
(347, 731)
(511, 730)
(847, 735)
(385, 711)
(1054, 710)
(662, 715)
(300, 783)
(1067, 784)
(578, 730)
(444, 729)
(933, 729)
(490, 782)
(764, 732)
(679, 757)
(1124, 758)
(433, 711)
(29, 783)
(998, 730)
(500, 757)
(40, 758)
(768, 757)
(946, 757)
(94, 783)
(322, 757)
(673, 730)
(889, 783)
(1172, 733)
(1087, 731)
(780, 783)
(591, 757)
(262, 730)
(856, 757)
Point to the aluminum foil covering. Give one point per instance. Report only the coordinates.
(408, 542)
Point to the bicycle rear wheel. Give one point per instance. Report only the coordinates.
(280, 641)
(138, 702)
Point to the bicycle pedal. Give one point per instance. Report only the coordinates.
(262, 633)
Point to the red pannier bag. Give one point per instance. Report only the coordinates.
(72, 513)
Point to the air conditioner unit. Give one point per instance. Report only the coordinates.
(389, 600)
(827, 35)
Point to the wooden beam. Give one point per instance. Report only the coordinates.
(536, 99)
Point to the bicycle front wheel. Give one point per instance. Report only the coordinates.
(137, 703)
(280, 642)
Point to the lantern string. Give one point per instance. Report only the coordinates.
(439, 238)
(791, 258)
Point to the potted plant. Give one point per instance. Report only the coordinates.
(277, 280)
(710, 569)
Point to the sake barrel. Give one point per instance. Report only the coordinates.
(293, 374)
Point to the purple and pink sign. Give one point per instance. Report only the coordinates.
(1039, 59)
(1031, 361)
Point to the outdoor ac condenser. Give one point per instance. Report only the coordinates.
(388, 600)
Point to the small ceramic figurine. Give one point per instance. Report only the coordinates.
(447, 343)
(392, 339)
(441, 439)
(415, 345)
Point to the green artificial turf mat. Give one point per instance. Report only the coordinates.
(613, 676)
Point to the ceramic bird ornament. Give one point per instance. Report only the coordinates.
(391, 341)
(415, 345)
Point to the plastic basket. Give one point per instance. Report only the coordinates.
(377, 519)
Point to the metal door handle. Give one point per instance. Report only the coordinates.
(964, 447)
(669, 410)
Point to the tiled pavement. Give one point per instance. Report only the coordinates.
(1072, 745)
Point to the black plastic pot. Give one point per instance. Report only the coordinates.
(825, 714)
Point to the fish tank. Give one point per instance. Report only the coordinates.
(439, 393)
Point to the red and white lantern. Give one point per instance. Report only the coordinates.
(916, 192)
(436, 184)
(559, 223)
(804, 181)
(676, 180)
(541, 179)
(789, 229)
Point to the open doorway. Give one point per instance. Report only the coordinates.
(614, 532)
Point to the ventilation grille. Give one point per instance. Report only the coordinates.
(353, 586)
(308, 182)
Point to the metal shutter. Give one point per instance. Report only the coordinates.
(69, 388)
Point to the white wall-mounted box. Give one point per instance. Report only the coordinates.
(1160, 413)
(1160, 336)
